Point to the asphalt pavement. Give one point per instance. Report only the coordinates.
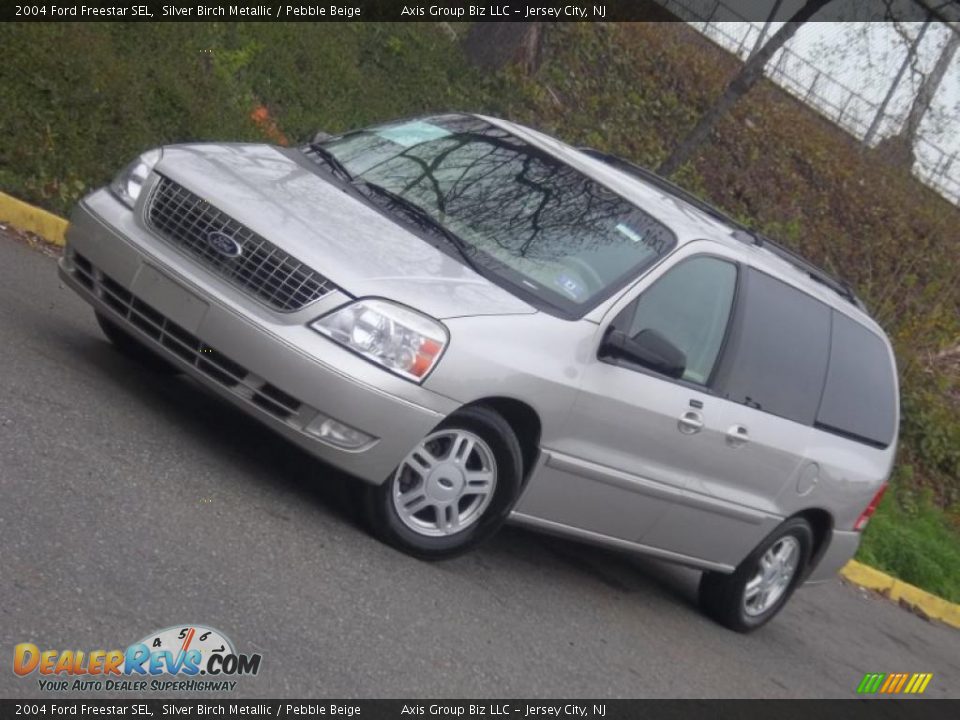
(131, 502)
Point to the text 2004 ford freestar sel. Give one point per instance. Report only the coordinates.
(485, 323)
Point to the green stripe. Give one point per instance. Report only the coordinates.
(871, 682)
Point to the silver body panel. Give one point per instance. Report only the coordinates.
(614, 466)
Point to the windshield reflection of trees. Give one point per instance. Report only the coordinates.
(504, 192)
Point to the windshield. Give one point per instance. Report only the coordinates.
(525, 217)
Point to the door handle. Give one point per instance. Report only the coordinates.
(690, 422)
(737, 436)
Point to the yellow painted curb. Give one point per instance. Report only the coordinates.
(897, 590)
(25, 216)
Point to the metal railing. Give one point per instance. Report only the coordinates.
(842, 105)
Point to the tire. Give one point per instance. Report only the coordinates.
(433, 485)
(133, 348)
(725, 598)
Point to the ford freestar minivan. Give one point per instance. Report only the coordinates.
(486, 324)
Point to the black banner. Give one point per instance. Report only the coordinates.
(880, 709)
(462, 10)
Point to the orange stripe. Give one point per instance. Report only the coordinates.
(887, 682)
(903, 679)
(894, 679)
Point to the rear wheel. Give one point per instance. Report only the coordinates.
(453, 490)
(761, 585)
(133, 348)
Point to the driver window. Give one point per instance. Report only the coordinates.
(690, 306)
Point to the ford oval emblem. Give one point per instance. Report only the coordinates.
(224, 244)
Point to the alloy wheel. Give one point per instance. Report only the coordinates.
(445, 484)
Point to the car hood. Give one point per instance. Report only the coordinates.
(279, 196)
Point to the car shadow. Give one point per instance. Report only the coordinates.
(271, 458)
(226, 429)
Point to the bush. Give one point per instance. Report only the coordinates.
(910, 538)
(83, 99)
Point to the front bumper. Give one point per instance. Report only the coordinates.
(269, 364)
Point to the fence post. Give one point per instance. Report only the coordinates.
(781, 61)
(812, 87)
(945, 171)
(843, 110)
(743, 42)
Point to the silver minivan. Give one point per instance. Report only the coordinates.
(486, 324)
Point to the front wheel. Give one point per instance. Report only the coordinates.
(453, 490)
(761, 585)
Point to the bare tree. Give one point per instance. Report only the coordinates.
(741, 83)
(909, 61)
(899, 148)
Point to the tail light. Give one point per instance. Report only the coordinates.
(868, 512)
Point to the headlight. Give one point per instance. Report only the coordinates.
(129, 182)
(398, 338)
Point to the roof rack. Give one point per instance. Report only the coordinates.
(742, 232)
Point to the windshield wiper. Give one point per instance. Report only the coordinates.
(331, 160)
(426, 220)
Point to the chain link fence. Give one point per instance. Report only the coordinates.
(853, 99)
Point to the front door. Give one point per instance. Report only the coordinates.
(635, 437)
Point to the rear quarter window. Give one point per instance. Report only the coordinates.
(859, 398)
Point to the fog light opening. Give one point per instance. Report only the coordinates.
(338, 433)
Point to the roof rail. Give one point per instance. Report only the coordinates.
(741, 232)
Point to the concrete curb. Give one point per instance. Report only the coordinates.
(902, 593)
(24, 216)
(53, 228)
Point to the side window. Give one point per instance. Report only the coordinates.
(690, 307)
(860, 395)
(779, 353)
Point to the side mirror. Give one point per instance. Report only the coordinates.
(320, 136)
(647, 348)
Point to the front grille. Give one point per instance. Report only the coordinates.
(261, 269)
(185, 345)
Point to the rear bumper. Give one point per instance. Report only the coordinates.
(840, 550)
(271, 365)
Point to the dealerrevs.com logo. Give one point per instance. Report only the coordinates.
(178, 658)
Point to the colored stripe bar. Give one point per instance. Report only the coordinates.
(871, 682)
(914, 682)
(890, 681)
(901, 683)
(894, 683)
